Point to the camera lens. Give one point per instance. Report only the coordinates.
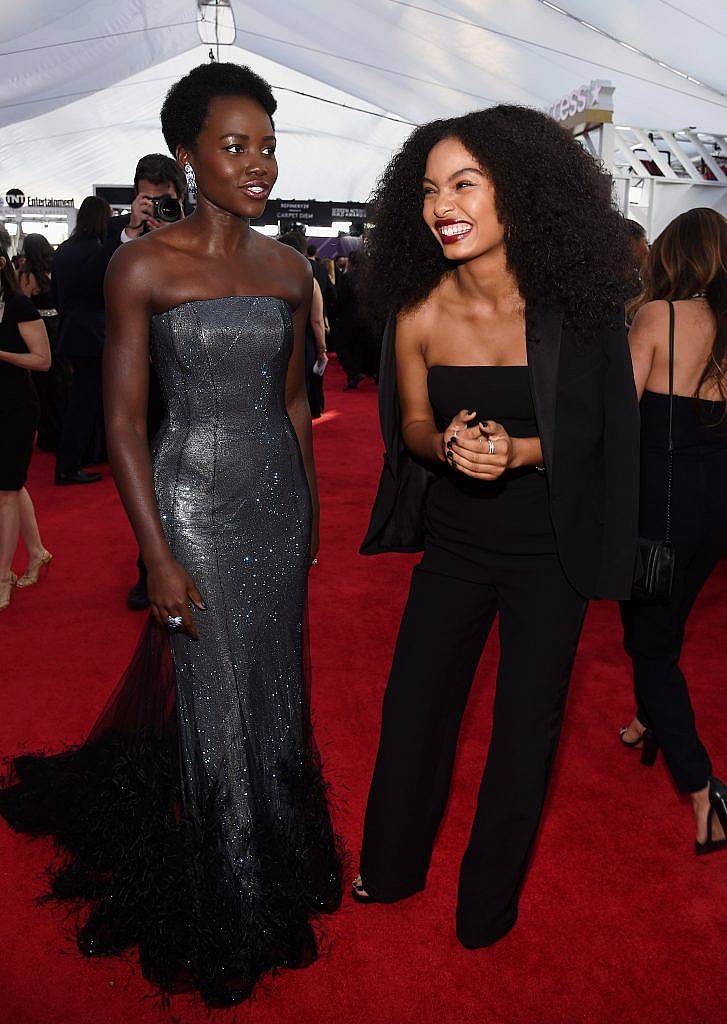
(166, 208)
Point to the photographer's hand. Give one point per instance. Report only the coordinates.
(141, 210)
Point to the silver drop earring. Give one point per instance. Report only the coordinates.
(191, 179)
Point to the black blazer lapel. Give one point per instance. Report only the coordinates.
(543, 328)
(389, 413)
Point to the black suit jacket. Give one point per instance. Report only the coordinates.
(588, 421)
(116, 225)
(78, 275)
(327, 287)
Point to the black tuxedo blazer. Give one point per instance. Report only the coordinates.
(588, 422)
(79, 267)
(116, 225)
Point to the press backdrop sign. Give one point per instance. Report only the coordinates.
(311, 211)
(15, 199)
(584, 107)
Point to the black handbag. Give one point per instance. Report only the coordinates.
(654, 576)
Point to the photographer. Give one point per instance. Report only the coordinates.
(161, 190)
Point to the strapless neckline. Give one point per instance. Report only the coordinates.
(478, 366)
(220, 298)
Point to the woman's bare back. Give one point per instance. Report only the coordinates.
(694, 330)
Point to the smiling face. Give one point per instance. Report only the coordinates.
(459, 203)
(234, 157)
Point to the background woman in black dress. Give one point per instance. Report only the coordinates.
(688, 268)
(23, 347)
(514, 386)
(52, 386)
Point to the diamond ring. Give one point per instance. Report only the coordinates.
(174, 621)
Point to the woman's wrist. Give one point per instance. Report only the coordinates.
(158, 560)
(516, 453)
(525, 451)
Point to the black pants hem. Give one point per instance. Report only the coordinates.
(485, 937)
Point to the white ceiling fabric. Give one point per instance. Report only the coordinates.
(83, 82)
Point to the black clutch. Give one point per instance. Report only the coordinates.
(654, 573)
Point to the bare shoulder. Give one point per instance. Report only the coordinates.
(415, 325)
(288, 259)
(651, 317)
(133, 267)
(281, 270)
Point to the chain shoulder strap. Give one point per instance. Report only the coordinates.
(670, 449)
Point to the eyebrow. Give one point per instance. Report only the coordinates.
(462, 170)
(241, 135)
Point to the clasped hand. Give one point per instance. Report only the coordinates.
(467, 450)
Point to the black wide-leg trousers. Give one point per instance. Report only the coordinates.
(445, 625)
(653, 637)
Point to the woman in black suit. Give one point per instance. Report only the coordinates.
(511, 425)
(79, 269)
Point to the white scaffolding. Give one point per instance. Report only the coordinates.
(659, 174)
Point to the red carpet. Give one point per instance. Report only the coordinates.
(619, 922)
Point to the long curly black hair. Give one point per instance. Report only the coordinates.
(565, 241)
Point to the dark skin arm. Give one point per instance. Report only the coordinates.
(128, 291)
(296, 399)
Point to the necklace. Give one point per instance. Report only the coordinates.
(698, 295)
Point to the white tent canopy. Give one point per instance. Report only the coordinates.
(83, 82)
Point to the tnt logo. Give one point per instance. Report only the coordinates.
(15, 198)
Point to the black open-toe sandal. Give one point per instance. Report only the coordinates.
(718, 806)
(358, 892)
(633, 744)
(646, 743)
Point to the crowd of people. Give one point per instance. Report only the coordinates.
(522, 370)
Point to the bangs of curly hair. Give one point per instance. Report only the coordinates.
(187, 103)
(565, 241)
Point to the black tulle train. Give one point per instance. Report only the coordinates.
(149, 867)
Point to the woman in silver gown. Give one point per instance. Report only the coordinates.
(194, 818)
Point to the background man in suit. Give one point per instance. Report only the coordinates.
(77, 285)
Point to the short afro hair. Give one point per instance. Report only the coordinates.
(187, 103)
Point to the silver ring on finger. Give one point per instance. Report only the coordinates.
(174, 621)
(490, 446)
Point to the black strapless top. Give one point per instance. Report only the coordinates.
(466, 516)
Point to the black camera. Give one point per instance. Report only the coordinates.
(166, 208)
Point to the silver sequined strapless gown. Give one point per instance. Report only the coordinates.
(195, 815)
(235, 507)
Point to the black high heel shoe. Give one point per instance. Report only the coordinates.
(718, 806)
(646, 743)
